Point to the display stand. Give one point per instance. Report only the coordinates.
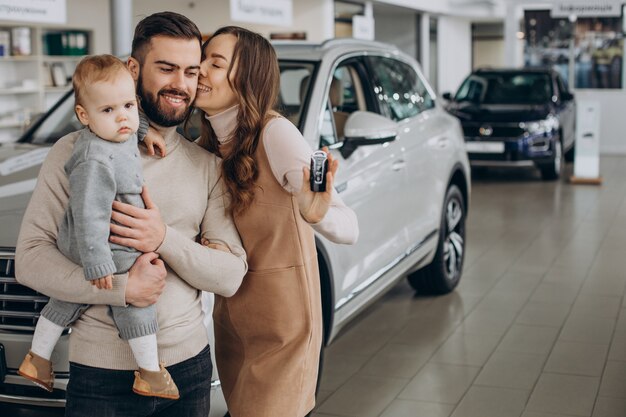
(587, 153)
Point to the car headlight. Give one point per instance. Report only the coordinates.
(540, 127)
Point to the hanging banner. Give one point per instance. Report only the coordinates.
(589, 9)
(40, 11)
(266, 12)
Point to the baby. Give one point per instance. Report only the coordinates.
(105, 166)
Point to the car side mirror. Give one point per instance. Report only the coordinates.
(447, 96)
(567, 96)
(365, 128)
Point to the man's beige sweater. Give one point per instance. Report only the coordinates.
(188, 190)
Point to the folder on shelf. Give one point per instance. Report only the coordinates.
(67, 42)
(20, 41)
(5, 43)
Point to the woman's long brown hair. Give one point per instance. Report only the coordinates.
(256, 83)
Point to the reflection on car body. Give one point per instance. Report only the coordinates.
(403, 170)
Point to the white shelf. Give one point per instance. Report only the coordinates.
(45, 58)
(63, 89)
(11, 125)
(6, 91)
(13, 59)
(62, 58)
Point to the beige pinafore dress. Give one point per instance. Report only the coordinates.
(269, 334)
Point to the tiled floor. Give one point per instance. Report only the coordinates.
(537, 327)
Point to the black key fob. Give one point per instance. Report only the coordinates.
(319, 167)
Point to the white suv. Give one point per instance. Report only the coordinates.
(403, 169)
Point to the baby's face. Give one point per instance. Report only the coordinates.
(111, 108)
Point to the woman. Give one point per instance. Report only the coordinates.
(269, 334)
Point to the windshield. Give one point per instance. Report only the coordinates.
(294, 90)
(506, 88)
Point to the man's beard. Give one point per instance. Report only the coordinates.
(152, 108)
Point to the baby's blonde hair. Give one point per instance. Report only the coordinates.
(95, 68)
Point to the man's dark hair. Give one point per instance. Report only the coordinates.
(168, 24)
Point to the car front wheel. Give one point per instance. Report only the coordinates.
(552, 171)
(444, 273)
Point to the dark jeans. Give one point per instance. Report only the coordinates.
(98, 392)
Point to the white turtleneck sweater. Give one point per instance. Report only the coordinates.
(288, 152)
(188, 189)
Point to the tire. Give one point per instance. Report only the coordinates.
(569, 155)
(552, 171)
(444, 272)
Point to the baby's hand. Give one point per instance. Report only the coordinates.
(205, 242)
(104, 283)
(152, 139)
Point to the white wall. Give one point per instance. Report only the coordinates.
(455, 52)
(399, 29)
(488, 53)
(313, 17)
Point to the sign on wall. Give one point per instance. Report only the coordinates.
(363, 27)
(267, 12)
(42, 11)
(589, 9)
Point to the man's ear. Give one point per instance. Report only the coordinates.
(82, 115)
(133, 67)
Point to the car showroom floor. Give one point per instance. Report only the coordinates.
(536, 328)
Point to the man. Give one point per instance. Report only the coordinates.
(185, 203)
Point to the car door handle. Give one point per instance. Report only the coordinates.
(443, 142)
(398, 165)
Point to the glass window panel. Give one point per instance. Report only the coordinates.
(399, 90)
(295, 78)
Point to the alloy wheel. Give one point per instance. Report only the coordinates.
(454, 241)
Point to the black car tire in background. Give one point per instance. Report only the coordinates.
(552, 171)
(569, 155)
(444, 272)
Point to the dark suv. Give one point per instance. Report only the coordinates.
(517, 118)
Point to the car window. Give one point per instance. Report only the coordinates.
(472, 90)
(345, 96)
(295, 79)
(506, 88)
(399, 89)
(328, 134)
(57, 124)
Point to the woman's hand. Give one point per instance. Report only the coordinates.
(154, 139)
(314, 206)
(141, 229)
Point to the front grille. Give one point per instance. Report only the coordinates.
(19, 305)
(503, 130)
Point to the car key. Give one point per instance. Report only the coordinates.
(319, 167)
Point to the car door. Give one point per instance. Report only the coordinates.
(371, 181)
(405, 99)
